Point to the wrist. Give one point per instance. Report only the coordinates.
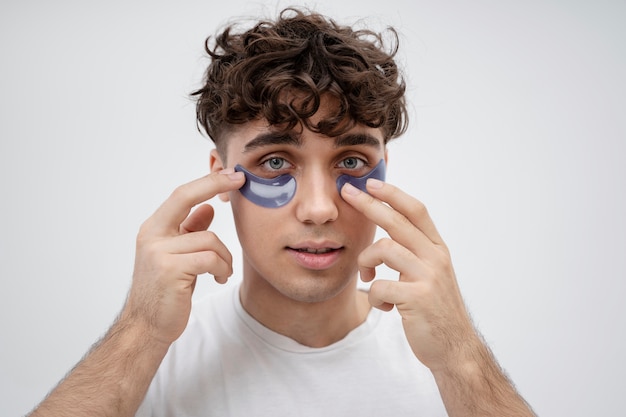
(133, 332)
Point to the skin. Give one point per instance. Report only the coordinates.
(173, 247)
(315, 307)
(426, 295)
(314, 301)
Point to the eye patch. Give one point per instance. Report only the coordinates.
(359, 182)
(278, 191)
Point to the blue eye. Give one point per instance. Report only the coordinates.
(352, 163)
(274, 163)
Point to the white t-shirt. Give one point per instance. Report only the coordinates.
(228, 364)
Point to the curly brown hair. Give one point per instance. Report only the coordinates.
(280, 70)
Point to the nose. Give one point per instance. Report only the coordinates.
(317, 198)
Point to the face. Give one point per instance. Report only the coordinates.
(307, 249)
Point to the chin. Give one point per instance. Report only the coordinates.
(314, 289)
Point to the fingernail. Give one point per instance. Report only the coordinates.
(231, 174)
(374, 183)
(351, 189)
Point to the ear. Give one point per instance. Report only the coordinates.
(386, 155)
(216, 164)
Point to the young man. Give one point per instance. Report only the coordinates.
(300, 110)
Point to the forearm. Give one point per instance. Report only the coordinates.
(477, 386)
(111, 380)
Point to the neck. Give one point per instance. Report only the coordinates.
(316, 323)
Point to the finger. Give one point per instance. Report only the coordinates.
(396, 224)
(196, 242)
(210, 262)
(392, 254)
(167, 219)
(200, 219)
(384, 294)
(369, 259)
(414, 210)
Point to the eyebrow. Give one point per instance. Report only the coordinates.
(355, 139)
(270, 138)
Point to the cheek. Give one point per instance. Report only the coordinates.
(361, 229)
(253, 223)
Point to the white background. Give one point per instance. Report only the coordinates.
(516, 146)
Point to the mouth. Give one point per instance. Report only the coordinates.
(318, 248)
(316, 256)
(315, 250)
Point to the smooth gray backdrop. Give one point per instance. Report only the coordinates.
(516, 146)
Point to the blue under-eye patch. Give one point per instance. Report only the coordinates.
(359, 182)
(270, 193)
(278, 191)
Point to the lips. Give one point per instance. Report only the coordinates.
(316, 247)
(316, 255)
(316, 251)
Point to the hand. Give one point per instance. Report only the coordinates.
(426, 294)
(173, 248)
